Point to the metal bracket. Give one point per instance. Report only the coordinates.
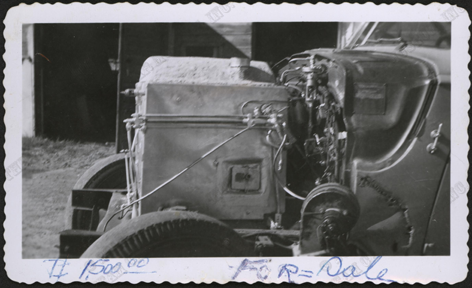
(435, 134)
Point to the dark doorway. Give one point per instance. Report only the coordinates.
(76, 88)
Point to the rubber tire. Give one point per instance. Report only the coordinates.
(107, 173)
(170, 234)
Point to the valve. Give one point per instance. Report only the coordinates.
(131, 93)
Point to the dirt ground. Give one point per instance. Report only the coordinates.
(50, 170)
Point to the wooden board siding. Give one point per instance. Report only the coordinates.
(229, 39)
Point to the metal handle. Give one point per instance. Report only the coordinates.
(432, 147)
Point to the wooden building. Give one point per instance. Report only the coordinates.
(72, 73)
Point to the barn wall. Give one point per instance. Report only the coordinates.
(28, 80)
(140, 41)
(75, 85)
(275, 41)
(221, 40)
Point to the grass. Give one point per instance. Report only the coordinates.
(42, 154)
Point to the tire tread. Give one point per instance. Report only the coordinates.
(190, 225)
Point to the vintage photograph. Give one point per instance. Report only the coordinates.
(236, 139)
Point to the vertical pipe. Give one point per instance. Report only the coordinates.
(41, 99)
(39, 80)
(118, 95)
(253, 42)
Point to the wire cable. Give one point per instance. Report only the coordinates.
(178, 174)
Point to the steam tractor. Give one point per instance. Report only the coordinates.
(329, 152)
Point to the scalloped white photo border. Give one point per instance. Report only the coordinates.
(410, 269)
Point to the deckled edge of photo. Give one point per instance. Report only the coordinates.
(205, 270)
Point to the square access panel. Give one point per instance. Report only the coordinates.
(246, 177)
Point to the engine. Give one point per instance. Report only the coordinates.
(316, 158)
(310, 156)
(316, 123)
(294, 142)
(300, 153)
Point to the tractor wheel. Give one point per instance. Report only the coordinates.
(108, 173)
(169, 234)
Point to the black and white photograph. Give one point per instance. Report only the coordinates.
(251, 140)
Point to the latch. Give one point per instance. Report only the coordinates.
(432, 147)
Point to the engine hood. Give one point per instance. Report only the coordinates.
(440, 59)
(371, 66)
(384, 98)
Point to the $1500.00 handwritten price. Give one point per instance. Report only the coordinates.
(110, 270)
